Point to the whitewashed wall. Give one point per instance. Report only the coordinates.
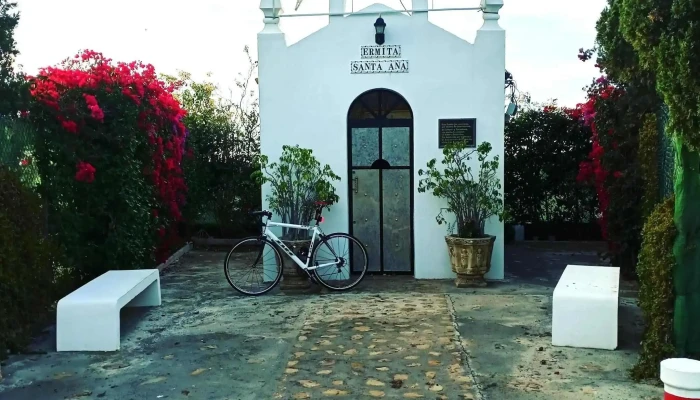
(307, 88)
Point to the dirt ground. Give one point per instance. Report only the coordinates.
(393, 337)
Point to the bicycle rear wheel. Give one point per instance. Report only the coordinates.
(349, 258)
(256, 259)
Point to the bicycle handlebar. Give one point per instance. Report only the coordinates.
(264, 213)
(317, 217)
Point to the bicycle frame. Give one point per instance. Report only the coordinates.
(317, 233)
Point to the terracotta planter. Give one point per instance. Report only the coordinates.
(470, 259)
(293, 277)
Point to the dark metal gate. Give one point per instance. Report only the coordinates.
(380, 147)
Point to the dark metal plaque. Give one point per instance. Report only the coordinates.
(457, 130)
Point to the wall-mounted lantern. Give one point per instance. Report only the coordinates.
(379, 27)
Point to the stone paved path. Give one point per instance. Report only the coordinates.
(208, 342)
(377, 346)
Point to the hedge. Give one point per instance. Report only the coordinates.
(29, 279)
(656, 294)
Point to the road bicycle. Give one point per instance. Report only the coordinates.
(345, 262)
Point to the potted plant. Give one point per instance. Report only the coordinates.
(472, 200)
(297, 181)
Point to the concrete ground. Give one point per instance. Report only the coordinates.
(392, 337)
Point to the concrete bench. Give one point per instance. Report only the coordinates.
(585, 307)
(88, 318)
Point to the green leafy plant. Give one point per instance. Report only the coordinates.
(656, 295)
(296, 182)
(472, 200)
(30, 281)
(17, 149)
(224, 139)
(11, 81)
(543, 149)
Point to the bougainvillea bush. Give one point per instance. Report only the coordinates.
(615, 112)
(110, 140)
(601, 97)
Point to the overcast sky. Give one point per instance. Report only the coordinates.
(543, 36)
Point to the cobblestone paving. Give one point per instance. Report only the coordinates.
(377, 346)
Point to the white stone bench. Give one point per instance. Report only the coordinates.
(88, 318)
(585, 307)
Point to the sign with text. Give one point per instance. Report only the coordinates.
(456, 130)
(379, 59)
(378, 66)
(393, 51)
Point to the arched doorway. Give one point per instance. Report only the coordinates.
(380, 166)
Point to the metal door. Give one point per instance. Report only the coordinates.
(381, 196)
(366, 216)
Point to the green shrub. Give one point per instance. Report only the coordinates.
(656, 294)
(648, 163)
(543, 149)
(29, 285)
(223, 141)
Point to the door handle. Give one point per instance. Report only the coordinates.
(356, 184)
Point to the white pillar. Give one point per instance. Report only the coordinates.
(681, 378)
(420, 9)
(272, 46)
(490, 50)
(490, 9)
(272, 10)
(336, 6)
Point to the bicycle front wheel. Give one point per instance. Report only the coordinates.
(341, 260)
(253, 266)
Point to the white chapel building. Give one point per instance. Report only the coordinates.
(377, 109)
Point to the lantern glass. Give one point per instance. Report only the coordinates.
(380, 25)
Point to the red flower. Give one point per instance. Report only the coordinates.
(25, 162)
(85, 172)
(70, 126)
(573, 113)
(96, 113)
(90, 100)
(158, 116)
